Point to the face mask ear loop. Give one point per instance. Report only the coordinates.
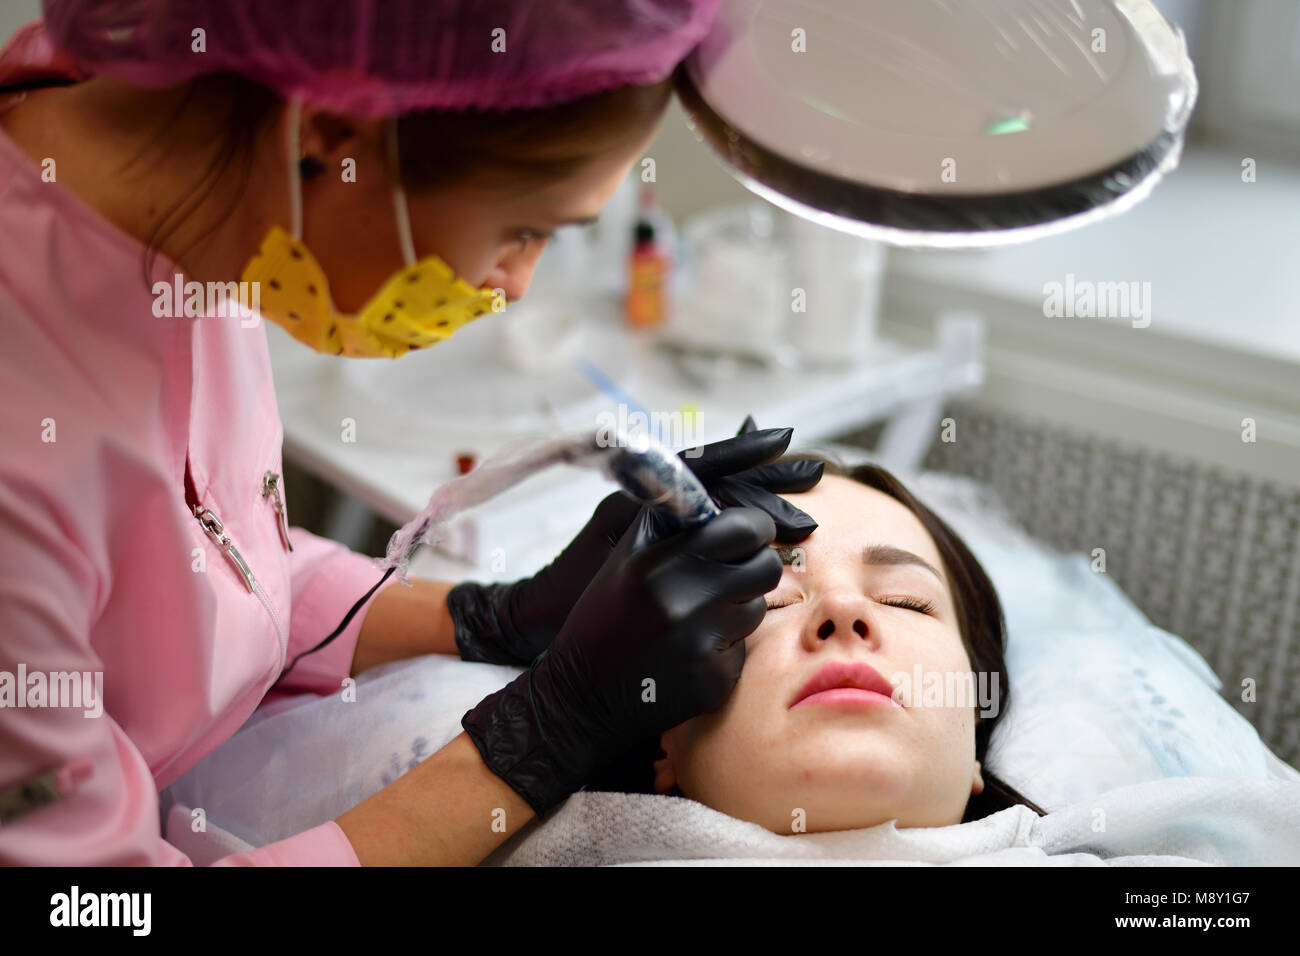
(295, 174)
(399, 196)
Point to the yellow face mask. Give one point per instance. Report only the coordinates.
(421, 305)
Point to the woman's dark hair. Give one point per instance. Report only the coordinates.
(983, 634)
(517, 149)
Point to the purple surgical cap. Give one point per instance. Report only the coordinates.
(378, 58)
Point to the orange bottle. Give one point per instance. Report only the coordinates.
(646, 305)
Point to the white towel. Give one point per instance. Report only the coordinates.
(1187, 821)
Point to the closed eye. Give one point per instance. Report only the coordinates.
(912, 604)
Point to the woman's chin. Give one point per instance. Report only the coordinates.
(827, 813)
(815, 798)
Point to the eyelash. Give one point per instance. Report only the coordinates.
(524, 235)
(911, 604)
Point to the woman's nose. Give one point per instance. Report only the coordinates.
(514, 273)
(842, 615)
(514, 283)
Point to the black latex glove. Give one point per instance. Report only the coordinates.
(672, 610)
(513, 623)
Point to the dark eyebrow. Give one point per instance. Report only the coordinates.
(578, 221)
(888, 554)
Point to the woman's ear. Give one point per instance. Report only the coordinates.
(327, 136)
(665, 772)
(977, 781)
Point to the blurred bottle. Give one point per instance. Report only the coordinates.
(648, 299)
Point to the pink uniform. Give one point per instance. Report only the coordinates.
(103, 566)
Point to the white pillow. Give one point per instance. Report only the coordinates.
(307, 759)
(1100, 697)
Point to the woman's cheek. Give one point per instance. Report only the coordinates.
(710, 739)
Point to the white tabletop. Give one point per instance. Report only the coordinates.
(388, 433)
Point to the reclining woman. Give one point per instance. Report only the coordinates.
(882, 583)
(881, 590)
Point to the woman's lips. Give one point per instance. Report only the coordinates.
(846, 683)
(847, 697)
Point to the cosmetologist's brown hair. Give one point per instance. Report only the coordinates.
(515, 150)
